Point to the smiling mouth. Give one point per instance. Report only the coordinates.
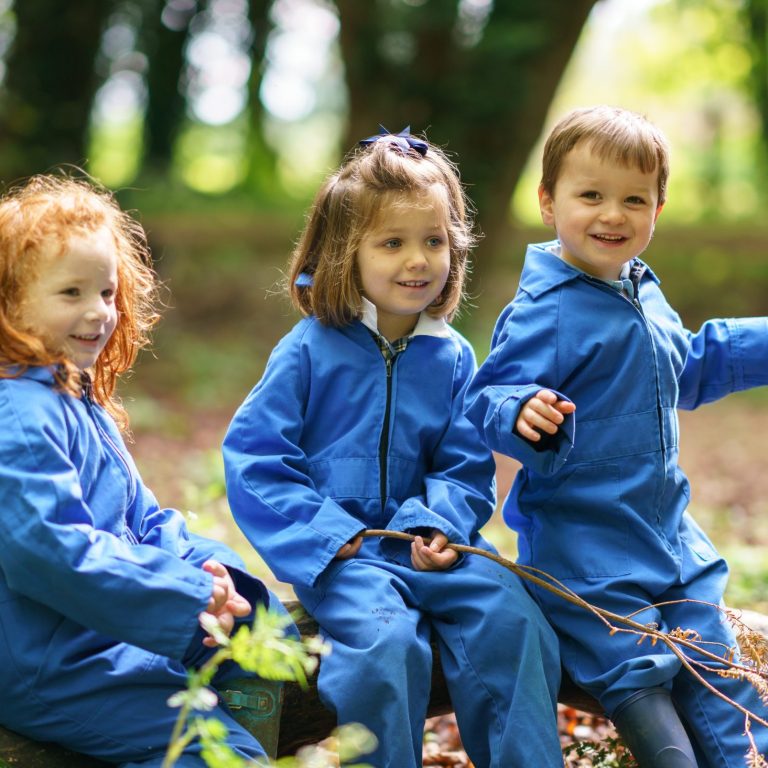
(413, 283)
(90, 337)
(610, 238)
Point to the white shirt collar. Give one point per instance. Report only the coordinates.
(426, 325)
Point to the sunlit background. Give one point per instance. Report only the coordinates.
(685, 66)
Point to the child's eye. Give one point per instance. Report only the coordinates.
(71, 292)
(393, 243)
(591, 195)
(108, 293)
(635, 200)
(435, 242)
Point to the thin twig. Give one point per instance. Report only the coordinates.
(549, 583)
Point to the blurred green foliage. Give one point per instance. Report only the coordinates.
(227, 307)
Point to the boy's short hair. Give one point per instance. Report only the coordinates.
(346, 206)
(613, 134)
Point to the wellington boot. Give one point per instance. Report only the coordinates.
(256, 704)
(650, 726)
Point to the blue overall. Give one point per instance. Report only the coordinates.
(332, 441)
(100, 589)
(602, 505)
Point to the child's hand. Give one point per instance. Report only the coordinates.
(350, 549)
(542, 413)
(226, 603)
(434, 557)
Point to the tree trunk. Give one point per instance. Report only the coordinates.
(262, 160)
(485, 100)
(50, 85)
(164, 34)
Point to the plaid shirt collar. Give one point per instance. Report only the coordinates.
(390, 349)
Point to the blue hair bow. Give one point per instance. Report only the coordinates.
(403, 141)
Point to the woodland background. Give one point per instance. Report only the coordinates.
(214, 120)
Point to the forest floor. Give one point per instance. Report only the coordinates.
(722, 451)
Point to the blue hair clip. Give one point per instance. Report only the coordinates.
(304, 280)
(403, 141)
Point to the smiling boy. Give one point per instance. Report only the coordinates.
(587, 368)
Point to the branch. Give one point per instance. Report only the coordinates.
(610, 619)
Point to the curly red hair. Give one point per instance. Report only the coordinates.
(49, 209)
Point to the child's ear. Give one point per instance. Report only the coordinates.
(658, 211)
(545, 206)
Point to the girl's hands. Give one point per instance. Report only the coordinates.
(432, 557)
(226, 604)
(350, 549)
(542, 413)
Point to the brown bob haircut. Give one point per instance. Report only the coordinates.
(613, 134)
(41, 216)
(345, 208)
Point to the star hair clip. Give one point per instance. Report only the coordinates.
(402, 141)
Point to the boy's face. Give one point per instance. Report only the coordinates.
(602, 211)
(70, 305)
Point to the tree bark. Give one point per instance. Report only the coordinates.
(50, 85)
(486, 100)
(164, 34)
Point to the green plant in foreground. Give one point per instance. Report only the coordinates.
(266, 650)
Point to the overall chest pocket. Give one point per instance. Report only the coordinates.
(582, 530)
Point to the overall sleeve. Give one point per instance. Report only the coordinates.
(725, 356)
(522, 361)
(55, 553)
(167, 529)
(459, 495)
(272, 496)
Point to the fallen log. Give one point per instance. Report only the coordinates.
(304, 720)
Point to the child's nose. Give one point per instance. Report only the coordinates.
(612, 212)
(416, 259)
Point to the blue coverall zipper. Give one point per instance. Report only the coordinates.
(88, 399)
(635, 274)
(384, 439)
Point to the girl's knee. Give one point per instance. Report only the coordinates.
(527, 631)
(398, 643)
(389, 649)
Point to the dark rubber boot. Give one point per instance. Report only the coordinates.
(650, 726)
(256, 704)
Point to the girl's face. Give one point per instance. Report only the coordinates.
(404, 260)
(604, 212)
(70, 305)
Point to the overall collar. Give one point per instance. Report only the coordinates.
(545, 270)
